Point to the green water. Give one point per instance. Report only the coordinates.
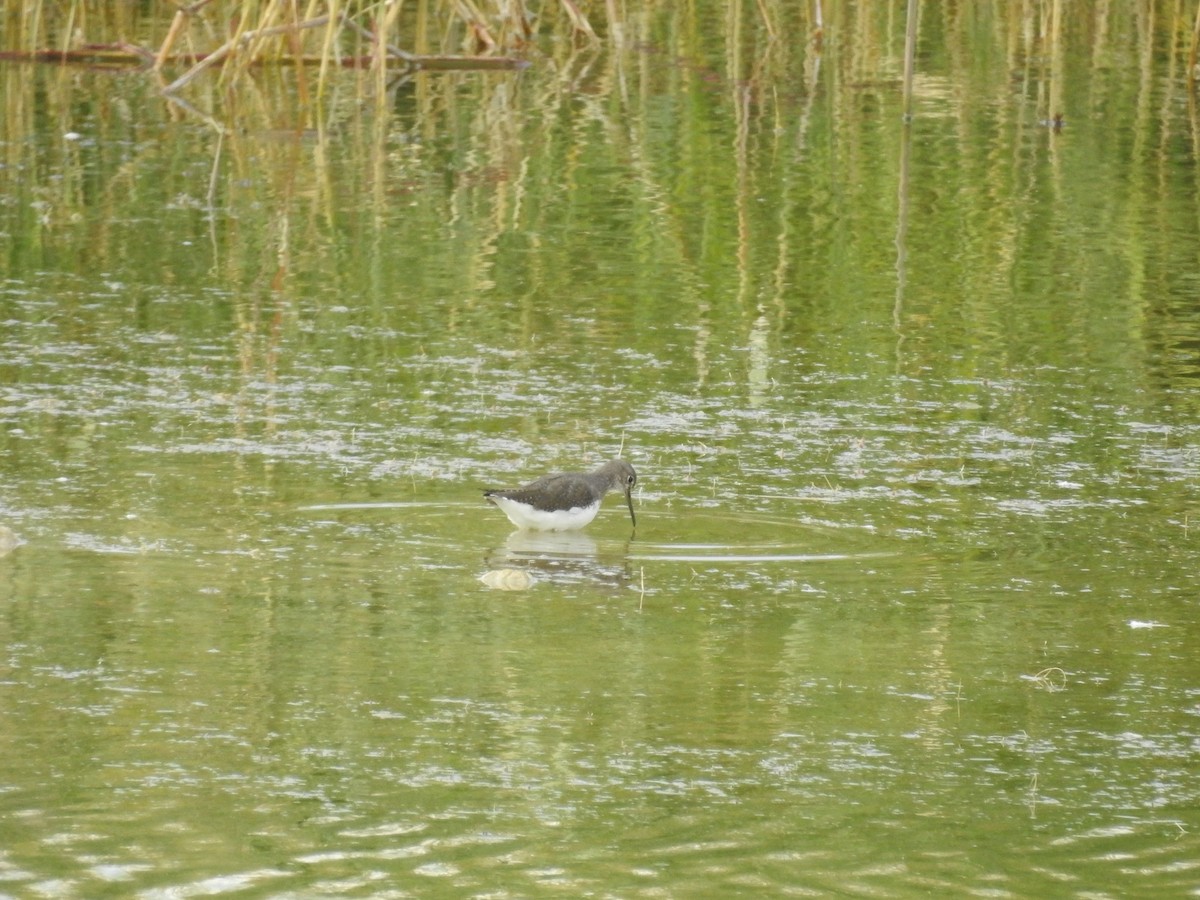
(911, 607)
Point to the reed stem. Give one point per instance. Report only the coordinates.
(910, 54)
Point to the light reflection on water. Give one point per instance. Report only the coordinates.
(575, 738)
(359, 671)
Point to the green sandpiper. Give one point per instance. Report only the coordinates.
(565, 501)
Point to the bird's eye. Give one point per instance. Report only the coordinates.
(632, 479)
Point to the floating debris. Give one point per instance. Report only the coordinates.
(1052, 679)
(507, 579)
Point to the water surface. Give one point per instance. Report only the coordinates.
(911, 605)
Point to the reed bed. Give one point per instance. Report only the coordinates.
(239, 33)
(496, 155)
(230, 36)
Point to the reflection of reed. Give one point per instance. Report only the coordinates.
(911, 23)
(714, 161)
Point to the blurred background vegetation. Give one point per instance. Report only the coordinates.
(758, 148)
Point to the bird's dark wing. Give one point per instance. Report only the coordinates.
(569, 491)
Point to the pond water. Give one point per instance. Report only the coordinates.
(912, 603)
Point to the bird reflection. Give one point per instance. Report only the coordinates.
(561, 556)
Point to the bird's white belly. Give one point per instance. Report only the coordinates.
(525, 516)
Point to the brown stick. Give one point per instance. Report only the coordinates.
(1193, 62)
(181, 17)
(125, 55)
(225, 49)
(580, 21)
